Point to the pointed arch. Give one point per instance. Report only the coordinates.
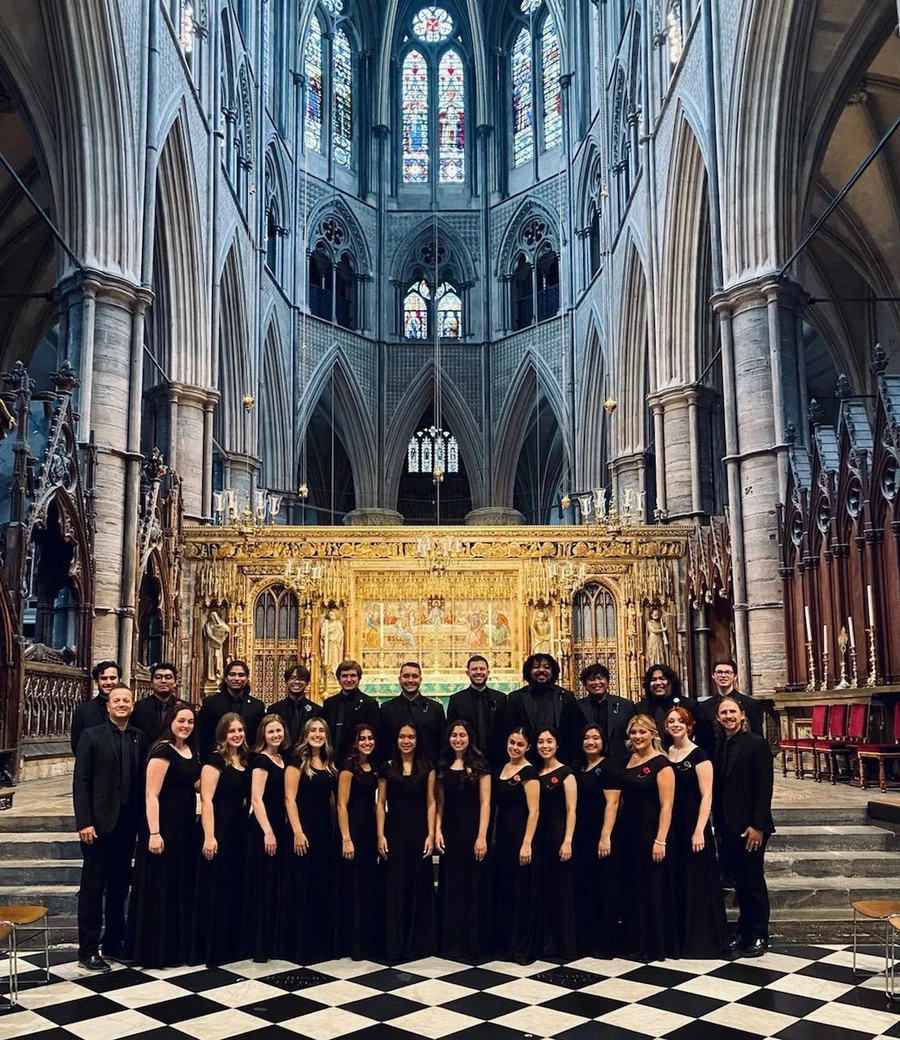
(236, 375)
(277, 471)
(453, 256)
(592, 424)
(633, 375)
(349, 229)
(518, 238)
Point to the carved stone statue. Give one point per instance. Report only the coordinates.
(331, 641)
(541, 633)
(215, 632)
(656, 641)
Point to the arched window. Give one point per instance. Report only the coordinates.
(275, 208)
(420, 305)
(535, 74)
(328, 70)
(533, 271)
(433, 101)
(333, 274)
(594, 635)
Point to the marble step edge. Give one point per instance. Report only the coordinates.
(888, 885)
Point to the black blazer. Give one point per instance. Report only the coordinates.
(363, 710)
(428, 715)
(145, 716)
(96, 791)
(462, 706)
(615, 713)
(742, 789)
(748, 705)
(522, 711)
(307, 709)
(214, 707)
(91, 713)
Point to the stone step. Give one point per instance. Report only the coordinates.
(60, 899)
(842, 838)
(44, 845)
(799, 815)
(34, 872)
(831, 893)
(825, 863)
(10, 823)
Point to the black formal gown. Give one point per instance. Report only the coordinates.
(700, 910)
(559, 914)
(162, 892)
(356, 898)
(308, 899)
(515, 900)
(218, 933)
(410, 921)
(596, 879)
(649, 932)
(264, 872)
(463, 881)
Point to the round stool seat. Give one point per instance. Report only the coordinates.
(31, 913)
(874, 907)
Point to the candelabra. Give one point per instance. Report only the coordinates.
(811, 663)
(854, 669)
(824, 683)
(842, 648)
(872, 679)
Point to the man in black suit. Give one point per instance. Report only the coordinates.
(350, 708)
(484, 709)
(150, 713)
(662, 691)
(234, 695)
(604, 709)
(296, 708)
(724, 677)
(410, 705)
(93, 712)
(742, 811)
(541, 703)
(108, 793)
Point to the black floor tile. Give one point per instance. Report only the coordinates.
(653, 975)
(781, 1003)
(569, 978)
(283, 1008)
(484, 1005)
(388, 979)
(587, 1005)
(384, 1007)
(478, 978)
(206, 979)
(162, 1033)
(79, 1010)
(295, 978)
(385, 1031)
(751, 974)
(831, 972)
(894, 1030)
(180, 1009)
(873, 999)
(111, 980)
(810, 953)
(595, 1031)
(490, 1031)
(709, 1031)
(806, 1030)
(271, 1032)
(680, 1002)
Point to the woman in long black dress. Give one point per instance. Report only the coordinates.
(649, 931)
(516, 805)
(356, 920)
(405, 818)
(597, 847)
(224, 816)
(268, 837)
(700, 910)
(308, 901)
(463, 816)
(166, 862)
(555, 832)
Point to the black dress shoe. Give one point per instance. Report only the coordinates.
(756, 948)
(120, 956)
(94, 963)
(736, 944)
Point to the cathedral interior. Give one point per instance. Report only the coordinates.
(323, 321)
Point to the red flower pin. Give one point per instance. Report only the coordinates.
(554, 779)
(645, 770)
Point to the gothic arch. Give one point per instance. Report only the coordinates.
(633, 376)
(592, 425)
(274, 417)
(456, 259)
(236, 368)
(523, 235)
(351, 233)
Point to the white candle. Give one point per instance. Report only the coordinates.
(870, 600)
(850, 630)
(825, 636)
(808, 625)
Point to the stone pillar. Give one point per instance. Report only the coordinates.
(689, 466)
(494, 516)
(373, 518)
(761, 316)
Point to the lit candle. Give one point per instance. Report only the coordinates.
(870, 600)
(808, 625)
(825, 636)
(850, 630)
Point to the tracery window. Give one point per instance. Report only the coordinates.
(530, 257)
(535, 68)
(328, 62)
(333, 275)
(420, 305)
(433, 101)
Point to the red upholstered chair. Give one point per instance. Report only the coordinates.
(824, 748)
(881, 753)
(800, 746)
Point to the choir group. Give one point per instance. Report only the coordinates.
(560, 828)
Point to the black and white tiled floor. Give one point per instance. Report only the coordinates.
(792, 993)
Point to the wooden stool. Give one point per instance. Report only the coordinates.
(882, 910)
(8, 933)
(892, 930)
(26, 916)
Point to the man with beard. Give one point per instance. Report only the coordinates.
(93, 712)
(542, 703)
(426, 713)
(662, 691)
(149, 713)
(484, 709)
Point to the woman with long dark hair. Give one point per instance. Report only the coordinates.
(268, 836)
(355, 918)
(516, 802)
(463, 816)
(405, 821)
(165, 867)
(224, 798)
(309, 782)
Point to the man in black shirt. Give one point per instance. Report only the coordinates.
(149, 714)
(348, 709)
(604, 709)
(296, 708)
(234, 695)
(410, 706)
(106, 674)
(484, 709)
(724, 676)
(543, 703)
(108, 794)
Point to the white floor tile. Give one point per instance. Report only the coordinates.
(434, 1022)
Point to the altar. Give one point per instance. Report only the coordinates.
(276, 595)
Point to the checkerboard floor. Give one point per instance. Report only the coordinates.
(792, 993)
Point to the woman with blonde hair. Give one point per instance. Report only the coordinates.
(308, 890)
(649, 930)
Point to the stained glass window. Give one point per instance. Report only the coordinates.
(449, 311)
(333, 6)
(342, 98)
(432, 24)
(522, 101)
(451, 118)
(415, 311)
(551, 87)
(414, 90)
(312, 67)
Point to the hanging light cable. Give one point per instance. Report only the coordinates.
(303, 488)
